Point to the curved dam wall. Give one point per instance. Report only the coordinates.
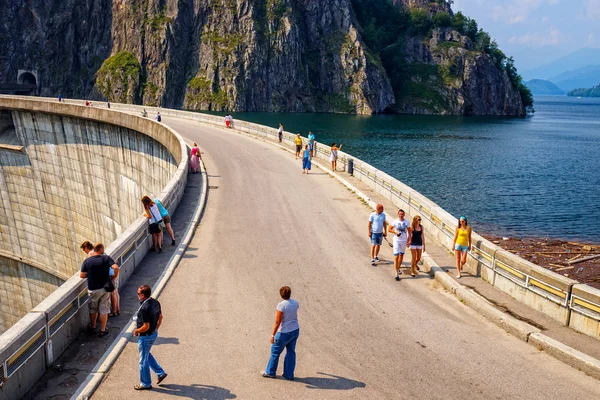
(73, 180)
(70, 173)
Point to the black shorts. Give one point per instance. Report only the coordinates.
(154, 228)
(298, 148)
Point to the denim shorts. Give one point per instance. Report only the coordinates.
(376, 239)
(464, 249)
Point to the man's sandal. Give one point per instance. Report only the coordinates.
(140, 387)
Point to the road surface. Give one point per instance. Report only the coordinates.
(362, 336)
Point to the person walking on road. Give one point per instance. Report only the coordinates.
(164, 213)
(195, 158)
(280, 132)
(115, 299)
(148, 319)
(377, 230)
(306, 164)
(417, 244)
(311, 143)
(298, 143)
(158, 117)
(334, 156)
(144, 113)
(152, 212)
(400, 227)
(285, 335)
(96, 270)
(461, 244)
(60, 98)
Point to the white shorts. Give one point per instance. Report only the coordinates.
(413, 246)
(399, 247)
(332, 158)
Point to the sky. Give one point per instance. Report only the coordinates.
(535, 32)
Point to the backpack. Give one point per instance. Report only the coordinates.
(158, 118)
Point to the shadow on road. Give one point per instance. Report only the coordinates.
(330, 382)
(166, 340)
(195, 391)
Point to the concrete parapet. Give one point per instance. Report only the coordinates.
(541, 289)
(43, 334)
(585, 310)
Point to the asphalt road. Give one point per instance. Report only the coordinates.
(362, 336)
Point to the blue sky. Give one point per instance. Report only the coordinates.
(537, 31)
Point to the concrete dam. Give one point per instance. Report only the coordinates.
(64, 180)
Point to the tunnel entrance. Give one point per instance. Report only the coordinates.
(27, 78)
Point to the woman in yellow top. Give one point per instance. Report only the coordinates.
(298, 142)
(461, 244)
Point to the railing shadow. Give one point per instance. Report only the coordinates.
(330, 382)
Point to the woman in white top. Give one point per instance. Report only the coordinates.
(285, 335)
(152, 212)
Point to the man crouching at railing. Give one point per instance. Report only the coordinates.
(96, 269)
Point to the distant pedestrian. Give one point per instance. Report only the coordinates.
(334, 156)
(96, 270)
(400, 227)
(158, 117)
(164, 213)
(144, 113)
(377, 230)
(115, 299)
(156, 226)
(148, 319)
(280, 132)
(87, 103)
(60, 98)
(461, 244)
(306, 163)
(195, 159)
(228, 121)
(417, 244)
(311, 143)
(285, 335)
(108, 104)
(298, 143)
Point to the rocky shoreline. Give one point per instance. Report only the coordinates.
(573, 260)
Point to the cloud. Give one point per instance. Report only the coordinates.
(519, 11)
(553, 37)
(592, 9)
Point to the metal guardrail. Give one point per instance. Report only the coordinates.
(552, 293)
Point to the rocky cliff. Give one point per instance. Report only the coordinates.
(257, 55)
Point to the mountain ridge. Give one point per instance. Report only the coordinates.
(265, 55)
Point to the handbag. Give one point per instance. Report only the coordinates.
(161, 223)
(109, 286)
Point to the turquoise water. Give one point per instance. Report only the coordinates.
(533, 176)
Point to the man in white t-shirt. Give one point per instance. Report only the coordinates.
(377, 230)
(400, 227)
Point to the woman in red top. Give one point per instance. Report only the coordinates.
(195, 159)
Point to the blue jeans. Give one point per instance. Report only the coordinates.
(284, 341)
(147, 361)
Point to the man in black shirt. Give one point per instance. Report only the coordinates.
(148, 319)
(96, 269)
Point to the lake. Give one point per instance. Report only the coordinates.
(534, 176)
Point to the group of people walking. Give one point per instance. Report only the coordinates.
(411, 235)
(406, 235)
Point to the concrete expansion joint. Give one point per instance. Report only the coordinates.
(519, 329)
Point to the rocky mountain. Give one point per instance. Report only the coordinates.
(541, 86)
(351, 56)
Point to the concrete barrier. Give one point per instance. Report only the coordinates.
(535, 286)
(30, 345)
(585, 310)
